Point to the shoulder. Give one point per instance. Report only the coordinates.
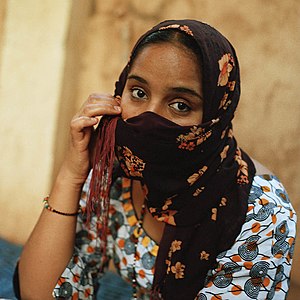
(269, 201)
(268, 188)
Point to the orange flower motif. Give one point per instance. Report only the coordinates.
(214, 214)
(184, 28)
(178, 270)
(168, 202)
(167, 217)
(214, 121)
(223, 154)
(226, 64)
(223, 202)
(198, 191)
(168, 263)
(195, 137)
(224, 103)
(176, 245)
(204, 255)
(223, 100)
(193, 178)
(172, 26)
(223, 134)
(242, 175)
(231, 85)
(134, 165)
(230, 133)
(227, 104)
(152, 210)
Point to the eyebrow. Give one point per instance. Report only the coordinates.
(185, 90)
(179, 89)
(138, 78)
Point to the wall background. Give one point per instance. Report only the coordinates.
(53, 54)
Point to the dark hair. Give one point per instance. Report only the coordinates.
(168, 36)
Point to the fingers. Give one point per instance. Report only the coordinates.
(78, 123)
(92, 110)
(99, 105)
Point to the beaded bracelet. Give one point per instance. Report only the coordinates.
(50, 208)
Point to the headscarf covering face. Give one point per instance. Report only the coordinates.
(197, 179)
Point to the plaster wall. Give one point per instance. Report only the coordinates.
(32, 61)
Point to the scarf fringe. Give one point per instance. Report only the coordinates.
(99, 198)
(155, 293)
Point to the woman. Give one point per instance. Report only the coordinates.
(185, 214)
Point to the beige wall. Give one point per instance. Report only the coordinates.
(54, 53)
(32, 62)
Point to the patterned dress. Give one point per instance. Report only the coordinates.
(257, 266)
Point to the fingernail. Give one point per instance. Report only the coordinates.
(117, 108)
(118, 99)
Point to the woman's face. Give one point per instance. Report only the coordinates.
(165, 79)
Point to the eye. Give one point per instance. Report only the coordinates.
(180, 106)
(138, 93)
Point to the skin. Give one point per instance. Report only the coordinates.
(178, 97)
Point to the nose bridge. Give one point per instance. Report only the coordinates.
(155, 105)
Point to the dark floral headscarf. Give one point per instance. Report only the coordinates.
(197, 178)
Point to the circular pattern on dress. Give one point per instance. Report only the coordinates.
(224, 277)
(148, 261)
(249, 250)
(281, 231)
(84, 278)
(255, 193)
(252, 288)
(82, 238)
(129, 247)
(283, 195)
(264, 212)
(201, 297)
(222, 281)
(118, 220)
(65, 290)
(259, 269)
(231, 267)
(280, 247)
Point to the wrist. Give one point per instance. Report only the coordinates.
(68, 179)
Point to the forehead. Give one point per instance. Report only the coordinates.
(166, 57)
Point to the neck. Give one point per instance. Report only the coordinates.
(153, 227)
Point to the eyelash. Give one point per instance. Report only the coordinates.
(186, 109)
(137, 90)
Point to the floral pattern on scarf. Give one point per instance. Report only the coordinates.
(131, 164)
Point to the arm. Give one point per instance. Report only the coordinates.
(50, 246)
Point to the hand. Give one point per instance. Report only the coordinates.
(77, 162)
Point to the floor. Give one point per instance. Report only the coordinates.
(8, 257)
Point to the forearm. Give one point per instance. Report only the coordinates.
(50, 246)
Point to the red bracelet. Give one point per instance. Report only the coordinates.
(50, 208)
